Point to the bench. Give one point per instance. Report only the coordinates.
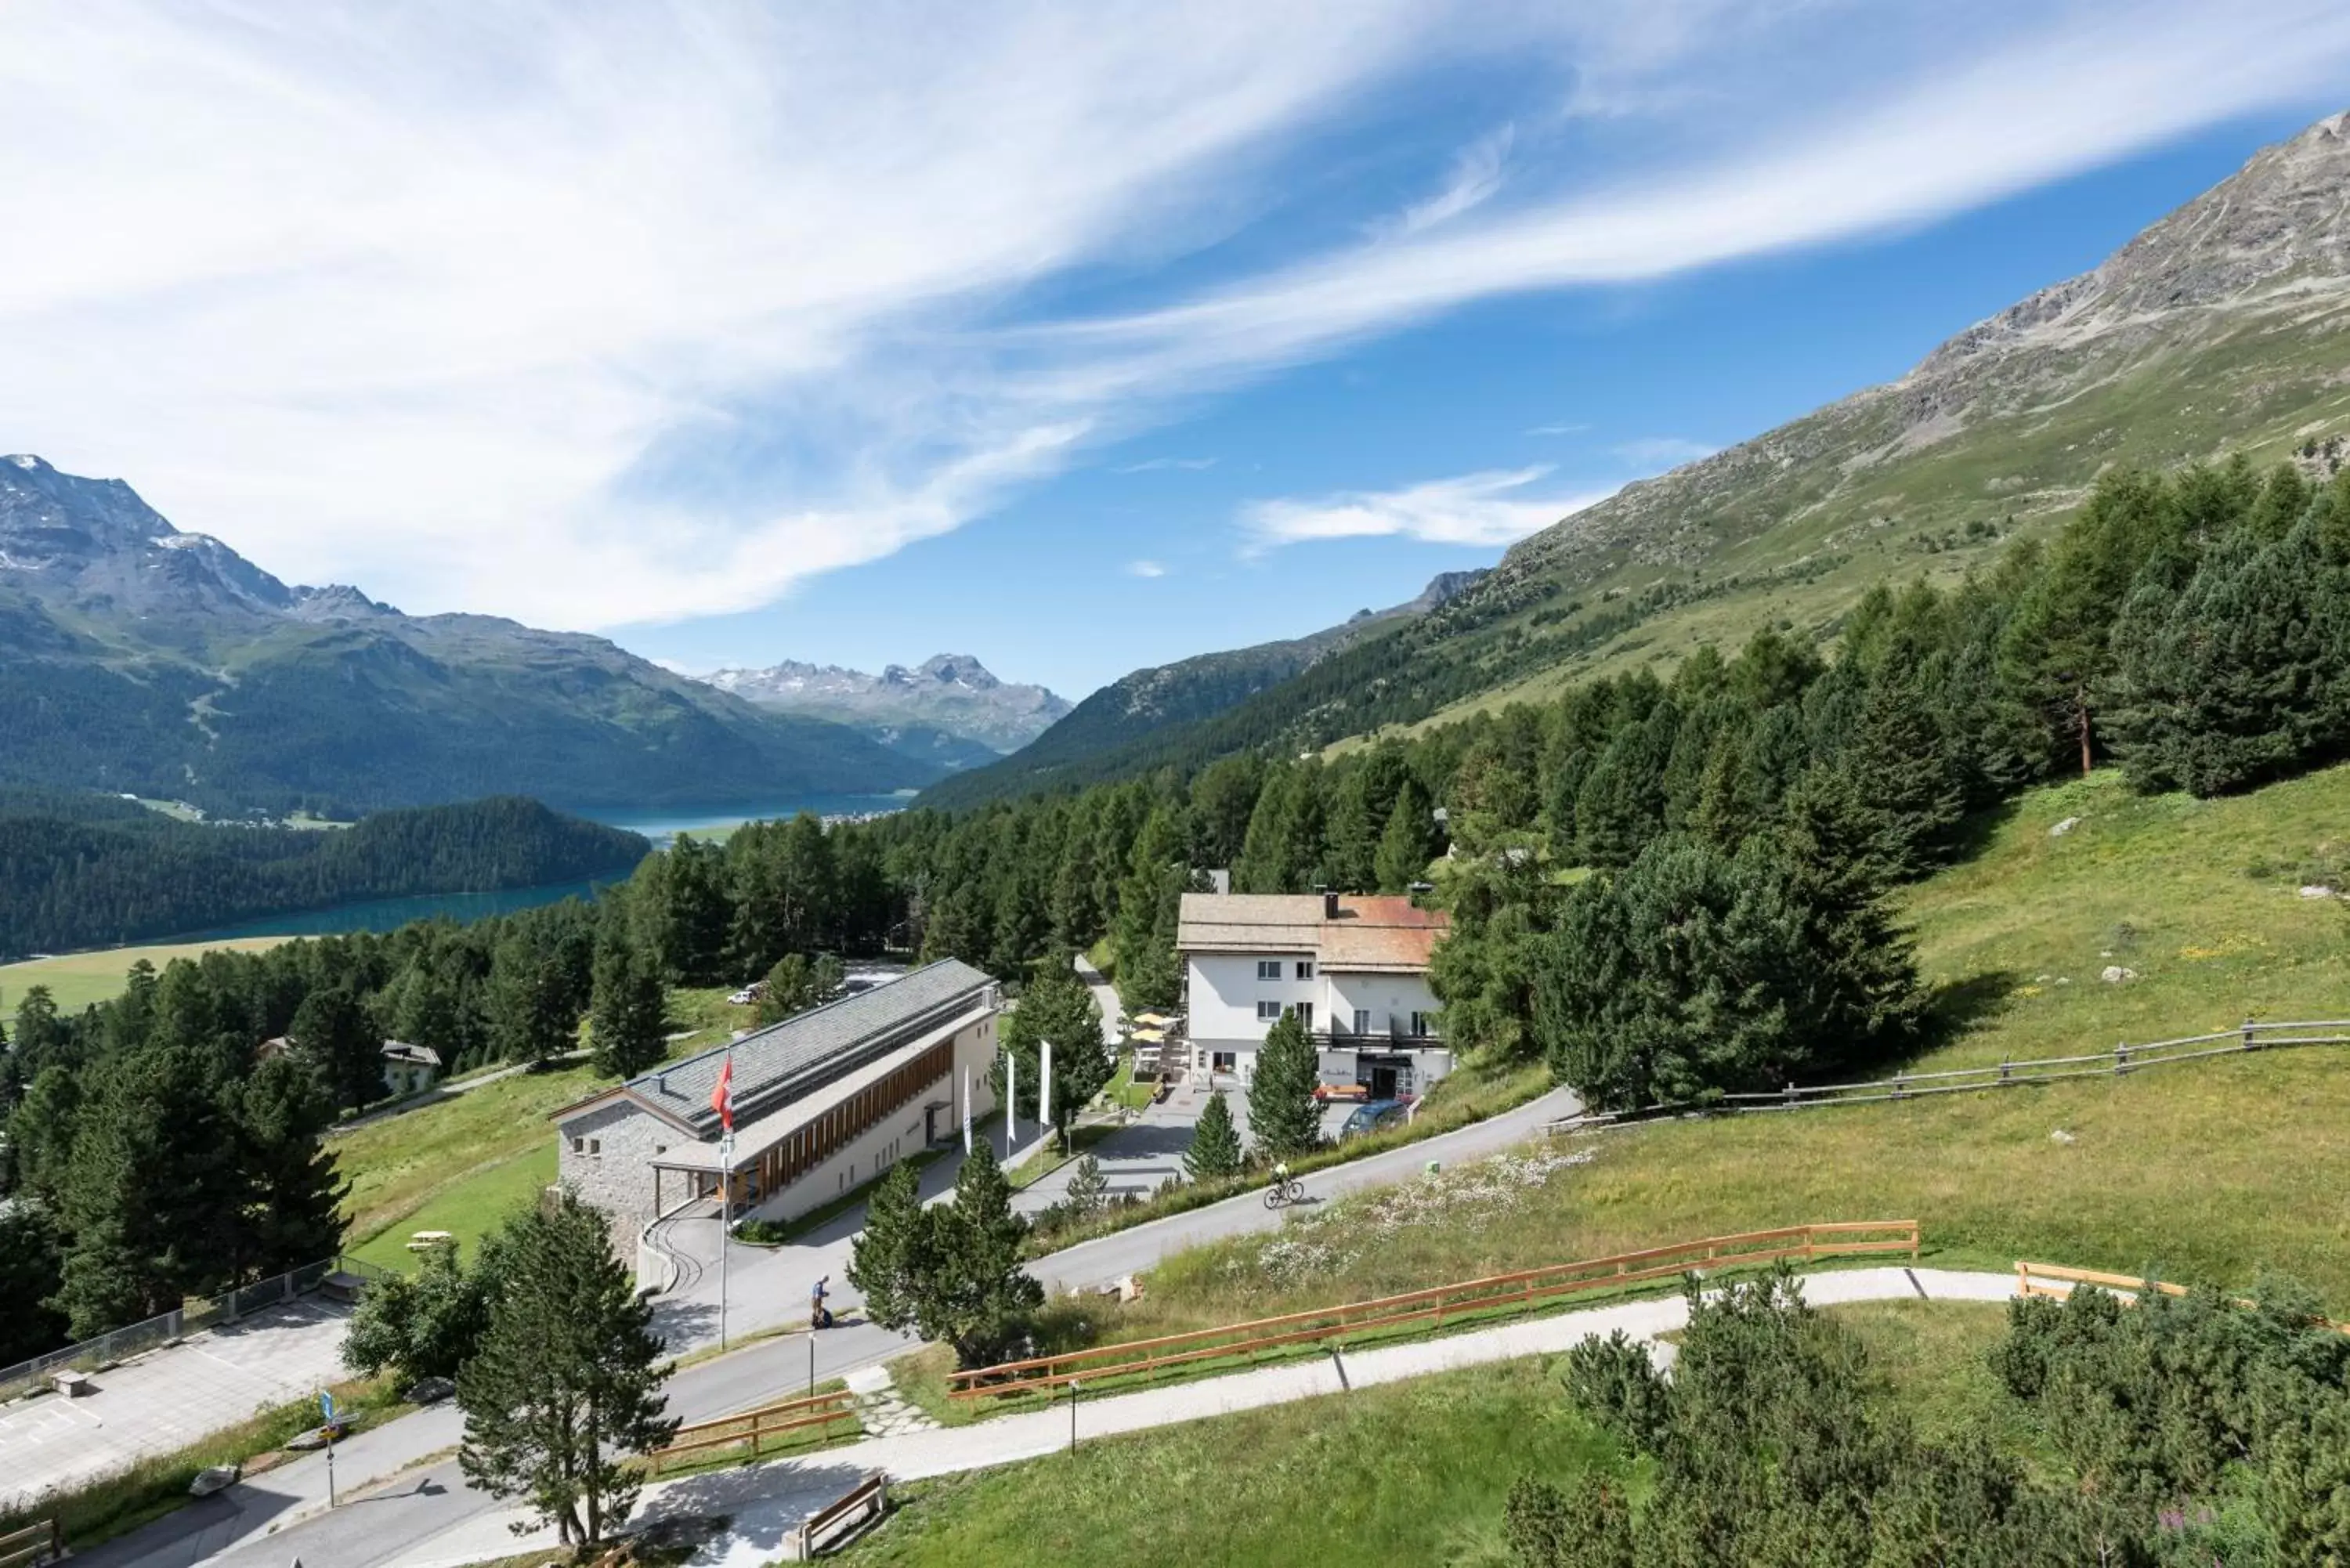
(837, 1520)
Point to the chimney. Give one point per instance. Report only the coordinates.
(1329, 904)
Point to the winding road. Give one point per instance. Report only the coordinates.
(398, 1487)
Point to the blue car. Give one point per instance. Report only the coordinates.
(1371, 1117)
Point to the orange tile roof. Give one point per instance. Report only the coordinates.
(1370, 933)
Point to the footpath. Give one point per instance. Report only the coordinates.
(764, 1503)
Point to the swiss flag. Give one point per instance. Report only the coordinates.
(721, 1098)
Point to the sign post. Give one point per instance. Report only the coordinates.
(327, 1426)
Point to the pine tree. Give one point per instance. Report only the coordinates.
(889, 1260)
(1056, 1006)
(627, 1013)
(29, 1260)
(1902, 768)
(1621, 804)
(1215, 1151)
(341, 1045)
(1088, 1192)
(531, 1018)
(2242, 676)
(969, 1288)
(293, 1213)
(1284, 1118)
(567, 1385)
(1408, 842)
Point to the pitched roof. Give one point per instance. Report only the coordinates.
(1367, 933)
(777, 1064)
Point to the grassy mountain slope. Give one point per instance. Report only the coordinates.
(135, 657)
(2209, 1171)
(2224, 326)
(1129, 725)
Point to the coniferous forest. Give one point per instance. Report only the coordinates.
(82, 870)
(1666, 889)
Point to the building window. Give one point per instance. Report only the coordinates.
(595, 1146)
(1268, 969)
(579, 1145)
(1419, 1021)
(1305, 969)
(1266, 1012)
(1362, 1021)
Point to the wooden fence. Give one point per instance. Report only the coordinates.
(38, 1542)
(752, 1427)
(1803, 1243)
(2056, 1280)
(2119, 1062)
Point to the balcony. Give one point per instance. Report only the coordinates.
(1401, 1034)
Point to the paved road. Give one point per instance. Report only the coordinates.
(762, 1502)
(767, 1288)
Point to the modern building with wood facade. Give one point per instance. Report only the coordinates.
(823, 1101)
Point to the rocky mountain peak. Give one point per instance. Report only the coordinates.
(2278, 224)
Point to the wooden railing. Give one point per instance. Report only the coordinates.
(1803, 1243)
(2123, 1059)
(38, 1542)
(752, 1427)
(2054, 1280)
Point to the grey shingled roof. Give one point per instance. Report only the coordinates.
(783, 1061)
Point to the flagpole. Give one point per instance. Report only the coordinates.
(725, 1223)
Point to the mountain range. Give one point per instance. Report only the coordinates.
(947, 711)
(1119, 729)
(141, 660)
(2222, 327)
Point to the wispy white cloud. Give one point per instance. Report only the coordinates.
(1476, 176)
(1556, 430)
(1662, 452)
(1145, 569)
(1486, 509)
(595, 315)
(1160, 464)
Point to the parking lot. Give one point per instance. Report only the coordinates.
(169, 1398)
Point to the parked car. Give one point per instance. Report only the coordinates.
(1372, 1117)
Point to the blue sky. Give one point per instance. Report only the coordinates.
(1077, 338)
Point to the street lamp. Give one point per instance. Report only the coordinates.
(1073, 1417)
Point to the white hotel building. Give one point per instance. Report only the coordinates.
(1356, 968)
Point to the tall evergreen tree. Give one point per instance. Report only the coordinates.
(1215, 1151)
(293, 1212)
(531, 1015)
(341, 1045)
(566, 1388)
(1408, 841)
(1284, 1118)
(952, 1271)
(627, 1010)
(888, 1262)
(1056, 1005)
(1621, 805)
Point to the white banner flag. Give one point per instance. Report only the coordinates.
(1045, 1089)
(1011, 1103)
(966, 1113)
